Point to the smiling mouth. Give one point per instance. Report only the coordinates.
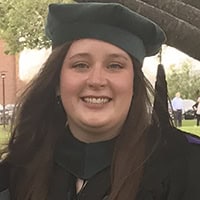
(95, 100)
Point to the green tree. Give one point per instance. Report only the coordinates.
(184, 80)
(22, 23)
(169, 14)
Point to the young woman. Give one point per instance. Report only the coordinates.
(84, 128)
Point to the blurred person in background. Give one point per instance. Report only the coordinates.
(177, 105)
(196, 107)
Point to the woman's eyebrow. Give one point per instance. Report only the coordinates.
(116, 55)
(79, 55)
(112, 55)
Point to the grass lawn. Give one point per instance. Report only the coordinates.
(4, 135)
(190, 126)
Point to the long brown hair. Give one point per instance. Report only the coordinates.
(130, 150)
(39, 123)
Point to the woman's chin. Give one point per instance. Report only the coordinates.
(96, 123)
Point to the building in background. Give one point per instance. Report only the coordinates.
(10, 84)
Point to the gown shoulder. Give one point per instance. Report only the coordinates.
(173, 170)
(4, 178)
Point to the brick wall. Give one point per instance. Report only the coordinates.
(9, 66)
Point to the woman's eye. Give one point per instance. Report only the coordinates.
(80, 66)
(115, 66)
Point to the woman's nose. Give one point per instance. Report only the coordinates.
(96, 77)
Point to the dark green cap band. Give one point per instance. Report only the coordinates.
(112, 23)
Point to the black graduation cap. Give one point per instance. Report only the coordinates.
(110, 22)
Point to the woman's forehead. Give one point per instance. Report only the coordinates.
(84, 46)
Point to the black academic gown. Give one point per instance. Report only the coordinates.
(171, 173)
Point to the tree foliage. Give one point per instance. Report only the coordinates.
(22, 23)
(184, 80)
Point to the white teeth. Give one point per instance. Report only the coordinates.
(96, 100)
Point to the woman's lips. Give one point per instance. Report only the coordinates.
(96, 100)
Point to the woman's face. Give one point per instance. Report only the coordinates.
(96, 88)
